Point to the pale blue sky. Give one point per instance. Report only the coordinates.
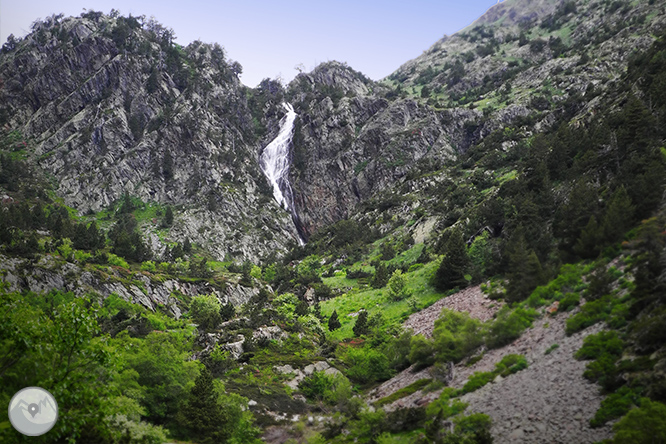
(269, 38)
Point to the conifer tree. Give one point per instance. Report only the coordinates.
(525, 272)
(227, 311)
(589, 243)
(187, 246)
(361, 326)
(381, 276)
(619, 216)
(168, 217)
(333, 321)
(454, 265)
(202, 415)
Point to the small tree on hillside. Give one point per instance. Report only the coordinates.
(205, 310)
(227, 312)
(525, 272)
(361, 326)
(397, 286)
(454, 265)
(202, 415)
(168, 217)
(333, 321)
(381, 276)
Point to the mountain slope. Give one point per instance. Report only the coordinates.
(111, 106)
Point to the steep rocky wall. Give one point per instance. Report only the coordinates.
(107, 115)
(51, 274)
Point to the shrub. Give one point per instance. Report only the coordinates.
(478, 380)
(456, 335)
(476, 426)
(205, 311)
(604, 371)
(227, 312)
(405, 391)
(66, 249)
(148, 266)
(316, 385)
(510, 364)
(219, 361)
(508, 326)
(646, 424)
(117, 261)
(569, 301)
(590, 313)
(603, 342)
(397, 286)
(421, 352)
(614, 406)
(367, 365)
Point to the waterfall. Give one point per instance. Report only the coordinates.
(275, 161)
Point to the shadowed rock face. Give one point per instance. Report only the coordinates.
(109, 114)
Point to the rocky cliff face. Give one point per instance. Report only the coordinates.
(112, 106)
(516, 69)
(356, 137)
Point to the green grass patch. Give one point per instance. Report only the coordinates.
(403, 392)
(377, 301)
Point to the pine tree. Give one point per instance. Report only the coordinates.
(95, 236)
(381, 276)
(619, 216)
(167, 166)
(589, 243)
(454, 266)
(187, 246)
(168, 217)
(397, 286)
(333, 321)
(227, 311)
(361, 326)
(525, 272)
(202, 415)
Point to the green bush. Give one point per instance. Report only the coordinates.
(421, 352)
(604, 371)
(510, 364)
(568, 302)
(508, 326)
(478, 380)
(316, 385)
(603, 342)
(116, 260)
(590, 313)
(148, 266)
(456, 336)
(366, 365)
(615, 406)
(475, 427)
(644, 425)
(205, 311)
(397, 286)
(405, 391)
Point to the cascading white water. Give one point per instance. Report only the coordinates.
(275, 162)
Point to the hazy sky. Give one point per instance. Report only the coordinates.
(269, 38)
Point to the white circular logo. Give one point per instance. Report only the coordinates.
(33, 411)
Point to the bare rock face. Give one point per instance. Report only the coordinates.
(353, 139)
(113, 107)
(49, 275)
